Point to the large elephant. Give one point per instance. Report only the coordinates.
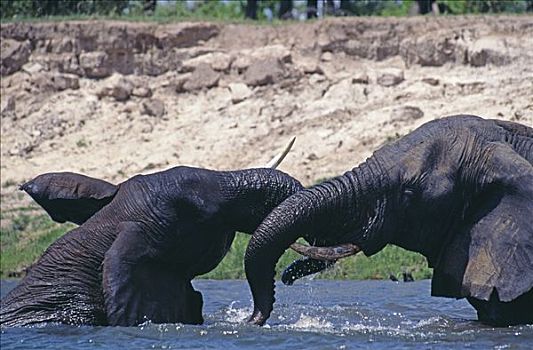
(458, 190)
(139, 244)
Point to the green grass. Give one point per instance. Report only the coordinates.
(29, 233)
(24, 240)
(212, 11)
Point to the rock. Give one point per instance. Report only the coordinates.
(326, 56)
(154, 107)
(239, 92)
(488, 50)
(142, 91)
(406, 113)
(7, 105)
(118, 87)
(312, 157)
(50, 82)
(14, 54)
(68, 63)
(218, 61)
(263, 72)
(308, 65)
(432, 50)
(122, 90)
(185, 34)
(316, 78)
(63, 63)
(390, 78)
(179, 82)
(130, 107)
(487, 56)
(33, 68)
(64, 44)
(361, 79)
(202, 77)
(271, 52)
(95, 64)
(65, 81)
(431, 81)
(121, 61)
(156, 62)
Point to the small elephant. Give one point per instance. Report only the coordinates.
(140, 243)
(458, 190)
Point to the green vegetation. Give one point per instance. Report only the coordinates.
(215, 10)
(81, 143)
(26, 234)
(24, 238)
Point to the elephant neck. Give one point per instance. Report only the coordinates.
(251, 194)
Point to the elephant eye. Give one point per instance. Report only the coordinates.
(407, 196)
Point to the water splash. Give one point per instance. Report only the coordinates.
(325, 314)
(236, 314)
(311, 323)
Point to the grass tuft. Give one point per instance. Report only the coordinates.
(24, 239)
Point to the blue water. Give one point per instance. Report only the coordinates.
(309, 315)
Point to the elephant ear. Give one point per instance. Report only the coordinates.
(138, 285)
(68, 196)
(494, 249)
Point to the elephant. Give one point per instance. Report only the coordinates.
(139, 243)
(458, 190)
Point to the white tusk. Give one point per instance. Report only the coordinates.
(326, 253)
(279, 158)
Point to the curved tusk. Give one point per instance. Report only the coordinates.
(326, 253)
(279, 158)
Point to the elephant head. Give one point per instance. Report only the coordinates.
(139, 244)
(458, 190)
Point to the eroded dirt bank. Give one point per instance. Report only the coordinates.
(113, 99)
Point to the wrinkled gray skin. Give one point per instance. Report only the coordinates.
(458, 190)
(133, 260)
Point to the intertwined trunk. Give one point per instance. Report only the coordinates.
(336, 211)
(251, 194)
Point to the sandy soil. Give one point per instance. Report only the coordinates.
(80, 97)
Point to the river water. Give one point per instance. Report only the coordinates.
(312, 314)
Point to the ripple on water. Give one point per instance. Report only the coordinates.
(311, 315)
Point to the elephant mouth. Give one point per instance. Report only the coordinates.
(326, 253)
(339, 251)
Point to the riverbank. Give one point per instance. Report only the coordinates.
(111, 99)
(30, 232)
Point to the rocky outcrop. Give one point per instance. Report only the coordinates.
(122, 95)
(14, 54)
(202, 77)
(97, 49)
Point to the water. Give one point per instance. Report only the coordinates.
(309, 315)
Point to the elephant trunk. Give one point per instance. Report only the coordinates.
(281, 228)
(251, 194)
(345, 210)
